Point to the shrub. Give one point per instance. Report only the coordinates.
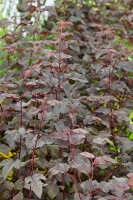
(66, 97)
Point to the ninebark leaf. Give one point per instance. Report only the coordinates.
(19, 196)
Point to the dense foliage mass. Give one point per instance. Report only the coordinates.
(66, 102)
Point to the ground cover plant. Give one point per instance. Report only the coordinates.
(66, 102)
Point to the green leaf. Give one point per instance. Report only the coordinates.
(131, 118)
(53, 190)
(2, 72)
(131, 136)
(19, 184)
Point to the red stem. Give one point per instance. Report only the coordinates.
(21, 123)
(59, 64)
(75, 181)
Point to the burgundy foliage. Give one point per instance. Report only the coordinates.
(65, 102)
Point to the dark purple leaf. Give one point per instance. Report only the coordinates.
(87, 155)
(59, 168)
(104, 160)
